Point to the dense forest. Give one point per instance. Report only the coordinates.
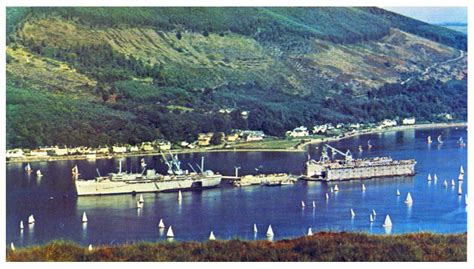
(127, 75)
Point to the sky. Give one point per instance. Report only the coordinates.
(433, 15)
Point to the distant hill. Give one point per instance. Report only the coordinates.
(124, 75)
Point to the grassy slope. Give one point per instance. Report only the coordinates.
(319, 247)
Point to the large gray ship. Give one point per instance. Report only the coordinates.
(149, 180)
(331, 170)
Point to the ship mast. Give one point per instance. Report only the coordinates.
(347, 155)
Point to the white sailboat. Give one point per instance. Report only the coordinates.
(302, 204)
(369, 146)
(453, 183)
(21, 225)
(461, 170)
(445, 183)
(461, 142)
(314, 204)
(180, 196)
(84, 217)
(460, 177)
(435, 177)
(269, 231)
(310, 232)
(12, 246)
(439, 139)
(139, 205)
(38, 173)
(336, 188)
(352, 213)
(371, 218)
(31, 219)
(398, 192)
(28, 168)
(141, 200)
(255, 228)
(363, 187)
(211, 236)
(75, 171)
(428, 139)
(429, 177)
(373, 213)
(408, 200)
(170, 232)
(142, 163)
(327, 196)
(387, 222)
(161, 224)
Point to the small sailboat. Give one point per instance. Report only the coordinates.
(21, 225)
(445, 183)
(428, 140)
(302, 204)
(28, 168)
(461, 170)
(332, 189)
(460, 177)
(336, 188)
(453, 183)
(170, 233)
(12, 246)
(211, 236)
(435, 177)
(429, 177)
(31, 219)
(461, 142)
(310, 232)
(371, 218)
(408, 200)
(439, 139)
(38, 173)
(139, 205)
(255, 228)
(161, 224)
(90, 247)
(369, 146)
(314, 204)
(84, 217)
(373, 213)
(398, 192)
(141, 200)
(180, 196)
(352, 213)
(142, 163)
(360, 148)
(75, 171)
(269, 231)
(327, 196)
(387, 222)
(363, 187)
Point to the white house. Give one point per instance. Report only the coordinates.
(388, 123)
(119, 149)
(15, 153)
(298, 132)
(320, 129)
(408, 121)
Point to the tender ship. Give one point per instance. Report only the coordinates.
(331, 170)
(149, 180)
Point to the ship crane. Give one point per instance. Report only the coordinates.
(347, 155)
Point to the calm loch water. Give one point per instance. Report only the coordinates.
(231, 212)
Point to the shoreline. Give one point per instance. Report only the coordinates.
(299, 147)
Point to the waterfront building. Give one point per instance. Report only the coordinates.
(298, 132)
(119, 149)
(409, 121)
(204, 139)
(15, 153)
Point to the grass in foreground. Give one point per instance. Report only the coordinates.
(322, 246)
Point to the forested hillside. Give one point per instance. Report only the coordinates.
(91, 76)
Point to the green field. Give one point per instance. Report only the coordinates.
(322, 246)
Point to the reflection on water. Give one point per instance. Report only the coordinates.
(231, 212)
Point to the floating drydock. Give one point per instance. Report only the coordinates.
(328, 170)
(265, 180)
(149, 181)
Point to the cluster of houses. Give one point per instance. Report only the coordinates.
(302, 131)
(204, 139)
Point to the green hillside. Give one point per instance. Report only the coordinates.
(136, 74)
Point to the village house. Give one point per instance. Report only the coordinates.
(204, 139)
(164, 145)
(102, 150)
(119, 149)
(39, 153)
(388, 123)
(408, 121)
(232, 137)
(298, 132)
(133, 149)
(15, 153)
(249, 135)
(146, 146)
